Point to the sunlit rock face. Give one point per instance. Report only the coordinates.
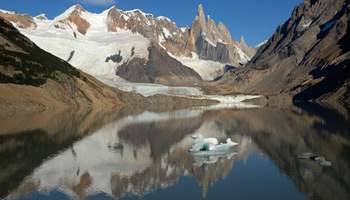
(213, 41)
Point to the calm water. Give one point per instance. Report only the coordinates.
(144, 155)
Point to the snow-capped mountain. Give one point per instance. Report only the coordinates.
(100, 43)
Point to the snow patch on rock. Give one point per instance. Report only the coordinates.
(244, 58)
(261, 44)
(6, 11)
(166, 33)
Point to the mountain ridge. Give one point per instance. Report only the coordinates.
(180, 43)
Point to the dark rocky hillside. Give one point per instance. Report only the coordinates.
(307, 57)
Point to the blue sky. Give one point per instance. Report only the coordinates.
(256, 20)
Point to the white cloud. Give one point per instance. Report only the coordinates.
(98, 2)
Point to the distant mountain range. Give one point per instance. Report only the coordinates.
(100, 43)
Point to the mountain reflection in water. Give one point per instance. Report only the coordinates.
(146, 156)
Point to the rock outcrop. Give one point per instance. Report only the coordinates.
(158, 68)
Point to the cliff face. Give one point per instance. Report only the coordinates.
(307, 57)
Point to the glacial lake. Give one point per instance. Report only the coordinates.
(144, 155)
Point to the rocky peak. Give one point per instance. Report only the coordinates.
(41, 17)
(200, 18)
(207, 27)
(73, 15)
(115, 19)
(213, 41)
(75, 10)
(250, 51)
(200, 12)
(242, 41)
(78, 8)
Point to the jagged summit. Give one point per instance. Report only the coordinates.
(213, 41)
(76, 9)
(242, 40)
(200, 11)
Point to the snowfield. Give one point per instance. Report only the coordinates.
(91, 55)
(207, 69)
(88, 52)
(147, 90)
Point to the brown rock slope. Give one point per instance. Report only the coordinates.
(307, 58)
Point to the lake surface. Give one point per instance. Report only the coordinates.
(145, 155)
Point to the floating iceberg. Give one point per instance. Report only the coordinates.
(211, 146)
(207, 151)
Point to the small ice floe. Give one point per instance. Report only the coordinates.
(206, 151)
(314, 157)
(210, 146)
